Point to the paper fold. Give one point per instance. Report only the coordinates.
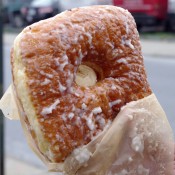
(138, 142)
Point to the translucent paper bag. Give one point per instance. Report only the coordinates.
(138, 142)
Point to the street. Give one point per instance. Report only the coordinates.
(161, 75)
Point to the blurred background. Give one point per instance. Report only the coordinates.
(156, 24)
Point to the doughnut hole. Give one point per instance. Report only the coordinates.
(88, 74)
(98, 70)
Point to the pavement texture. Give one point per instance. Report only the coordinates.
(150, 47)
(158, 48)
(18, 167)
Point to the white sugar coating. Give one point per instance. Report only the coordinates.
(142, 171)
(123, 39)
(81, 37)
(49, 109)
(126, 27)
(101, 121)
(41, 93)
(120, 50)
(97, 110)
(82, 155)
(75, 38)
(138, 144)
(123, 172)
(113, 87)
(90, 122)
(71, 115)
(78, 122)
(59, 138)
(62, 26)
(68, 127)
(46, 74)
(61, 87)
(93, 97)
(130, 159)
(52, 90)
(64, 60)
(76, 94)
(110, 44)
(42, 120)
(111, 104)
(57, 63)
(78, 27)
(69, 79)
(80, 55)
(31, 81)
(128, 43)
(63, 116)
(45, 82)
(89, 37)
(84, 106)
(73, 107)
(122, 60)
(114, 54)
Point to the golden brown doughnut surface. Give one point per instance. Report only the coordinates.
(49, 52)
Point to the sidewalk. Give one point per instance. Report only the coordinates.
(157, 48)
(18, 167)
(9, 38)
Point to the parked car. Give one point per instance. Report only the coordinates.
(13, 10)
(170, 22)
(5, 16)
(150, 12)
(39, 10)
(145, 12)
(69, 4)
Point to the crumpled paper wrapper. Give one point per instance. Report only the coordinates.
(8, 104)
(138, 142)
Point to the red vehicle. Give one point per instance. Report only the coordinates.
(145, 12)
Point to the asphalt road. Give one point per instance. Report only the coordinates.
(161, 75)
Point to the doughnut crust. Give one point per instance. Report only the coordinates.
(60, 114)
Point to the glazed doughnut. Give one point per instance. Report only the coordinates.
(60, 113)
